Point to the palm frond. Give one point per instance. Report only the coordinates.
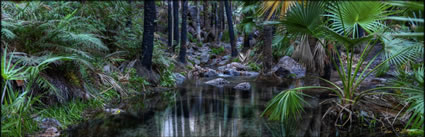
(411, 50)
(269, 8)
(348, 16)
(304, 18)
(286, 105)
(302, 53)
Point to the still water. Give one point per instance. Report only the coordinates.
(196, 109)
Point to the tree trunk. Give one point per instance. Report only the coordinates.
(221, 21)
(212, 16)
(176, 23)
(231, 31)
(206, 23)
(148, 34)
(267, 49)
(198, 22)
(170, 24)
(182, 55)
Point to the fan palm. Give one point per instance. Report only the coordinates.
(350, 77)
(348, 16)
(414, 95)
(393, 46)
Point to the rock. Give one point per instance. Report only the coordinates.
(223, 62)
(243, 86)
(226, 57)
(205, 57)
(107, 69)
(46, 123)
(287, 64)
(206, 44)
(218, 82)
(251, 73)
(209, 73)
(113, 111)
(378, 80)
(232, 72)
(179, 78)
(227, 46)
(237, 66)
(213, 62)
(338, 83)
(49, 132)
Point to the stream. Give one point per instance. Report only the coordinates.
(197, 109)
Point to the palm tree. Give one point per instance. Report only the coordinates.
(231, 31)
(170, 24)
(267, 49)
(176, 23)
(183, 45)
(148, 34)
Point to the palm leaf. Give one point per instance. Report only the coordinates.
(347, 16)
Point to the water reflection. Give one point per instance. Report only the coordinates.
(202, 110)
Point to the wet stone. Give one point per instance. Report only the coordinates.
(218, 82)
(243, 86)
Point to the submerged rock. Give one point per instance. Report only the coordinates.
(218, 82)
(243, 86)
(179, 78)
(288, 67)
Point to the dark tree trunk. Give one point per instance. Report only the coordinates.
(246, 41)
(148, 34)
(216, 23)
(231, 32)
(212, 15)
(176, 23)
(182, 55)
(170, 24)
(206, 23)
(267, 49)
(222, 19)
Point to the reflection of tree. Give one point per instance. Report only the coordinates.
(225, 112)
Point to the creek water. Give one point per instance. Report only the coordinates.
(197, 109)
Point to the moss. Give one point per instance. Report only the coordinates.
(254, 66)
(73, 78)
(236, 60)
(217, 51)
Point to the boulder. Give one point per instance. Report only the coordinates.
(218, 82)
(288, 67)
(243, 86)
(179, 78)
(209, 73)
(204, 57)
(237, 66)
